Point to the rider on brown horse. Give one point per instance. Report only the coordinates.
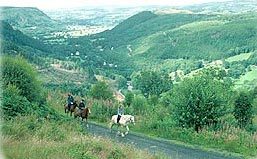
(70, 100)
(82, 104)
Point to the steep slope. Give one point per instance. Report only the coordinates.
(207, 39)
(183, 38)
(8, 34)
(29, 20)
(17, 37)
(14, 42)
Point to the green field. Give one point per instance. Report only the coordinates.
(239, 57)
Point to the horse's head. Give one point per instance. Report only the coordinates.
(132, 119)
(75, 104)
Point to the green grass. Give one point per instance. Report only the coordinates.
(247, 80)
(228, 139)
(33, 137)
(30, 137)
(239, 57)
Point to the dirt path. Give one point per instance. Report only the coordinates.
(173, 151)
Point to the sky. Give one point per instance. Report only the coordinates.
(55, 4)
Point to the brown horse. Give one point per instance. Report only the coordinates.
(71, 109)
(82, 113)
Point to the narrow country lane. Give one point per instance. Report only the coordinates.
(173, 151)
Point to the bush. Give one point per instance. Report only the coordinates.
(200, 101)
(129, 98)
(101, 91)
(13, 103)
(139, 104)
(17, 71)
(152, 83)
(243, 109)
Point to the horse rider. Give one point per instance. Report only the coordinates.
(70, 100)
(82, 105)
(120, 112)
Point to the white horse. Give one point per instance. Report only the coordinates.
(124, 121)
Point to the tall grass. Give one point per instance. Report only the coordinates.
(27, 137)
(157, 121)
(226, 138)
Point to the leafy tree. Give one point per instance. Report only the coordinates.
(18, 72)
(129, 98)
(139, 103)
(13, 103)
(101, 90)
(122, 81)
(199, 101)
(152, 83)
(22, 92)
(243, 109)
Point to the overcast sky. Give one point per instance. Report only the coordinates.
(54, 4)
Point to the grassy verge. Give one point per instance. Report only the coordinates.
(29, 137)
(228, 140)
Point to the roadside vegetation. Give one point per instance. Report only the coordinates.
(33, 128)
(202, 110)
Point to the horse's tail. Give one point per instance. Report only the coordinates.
(112, 122)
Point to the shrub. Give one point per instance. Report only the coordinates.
(13, 103)
(200, 101)
(17, 71)
(243, 109)
(139, 104)
(101, 91)
(129, 98)
(152, 83)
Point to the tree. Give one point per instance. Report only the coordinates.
(13, 103)
(22, 92)
(199, 101)
(18, 72)
(243, 109)
(101, 90)
(129, 98)
(152, 83)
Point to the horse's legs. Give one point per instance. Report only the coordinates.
(86, 122)
(118, 130)
(127, 130)
(111, 125)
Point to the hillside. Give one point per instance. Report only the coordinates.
(29, 20)
(232, 6)
(14, 42)
(17, 37)
(148, 38)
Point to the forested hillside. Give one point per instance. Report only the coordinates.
(150, 38)
(29, 20)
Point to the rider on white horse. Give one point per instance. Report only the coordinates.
(120, 112)
(124, 122)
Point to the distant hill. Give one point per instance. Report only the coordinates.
(17, 37)
(169, 38)
(148, 37)
(232, 6)
(29, 20)
(15, 42)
